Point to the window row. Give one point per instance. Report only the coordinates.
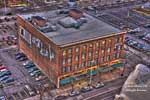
(69, 51)
(102, 59)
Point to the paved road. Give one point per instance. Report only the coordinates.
(97, 92)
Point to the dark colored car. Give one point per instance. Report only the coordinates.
(60, 98)
(23, 58)
(4, 78)
(4, 73)
(30, 65)
(32, 69)
(9, 80)
(20, 56)
(147, 25)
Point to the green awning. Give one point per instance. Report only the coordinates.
(117, 65)
(93, 72)
(66, 80)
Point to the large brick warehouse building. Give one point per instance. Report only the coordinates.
(68, 43)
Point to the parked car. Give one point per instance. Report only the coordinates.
(10, 39)
(40, 77)
(4, 78)
(35, 72)
(2, 98)
(86, 88)
(30, 65)
(23, 58)
(26, 63)
(9, 80)
(147, 25)
(99, 85)
(5, 73)
(32, 69)
(20, 56)
(74, 93)
(29, 90)
(139, 46)
(3, 67)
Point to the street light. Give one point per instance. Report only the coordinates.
(90, 82)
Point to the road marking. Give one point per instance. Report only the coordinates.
(102, 93)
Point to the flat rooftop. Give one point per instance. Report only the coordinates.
(93, 28)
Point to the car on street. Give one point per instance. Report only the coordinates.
(10, 39)
(86, 89)
(61, 97)
(8, 80)
(74, 93)
(98, 85)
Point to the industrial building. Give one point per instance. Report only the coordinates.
(66, 44)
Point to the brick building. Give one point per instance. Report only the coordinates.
(64, 48)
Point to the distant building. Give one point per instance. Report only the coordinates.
(66, 44)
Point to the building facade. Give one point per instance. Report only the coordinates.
(64, 61)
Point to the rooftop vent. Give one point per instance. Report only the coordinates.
(38, 20)
(76, 13)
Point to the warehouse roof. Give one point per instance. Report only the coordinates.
(90, 29)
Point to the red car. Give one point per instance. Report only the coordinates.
(2, 67)
(11, 39)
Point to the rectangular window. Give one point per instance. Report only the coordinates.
(84, 47)
(117, 40)
(69, 51)
(64, 70)
(97, 44)
(69, 60)
(95, 61)
(89, 63)
(108, 58)
(90, 54)
(22, 31)
(83, 56)
(76, 58)
(118, 55)
(101, 59)
(108, 50)
(91, 45)
(64, 52)
(77, 49)
(51, 53)
(64, 61)
(96, 52)
(83, 65)
(69, 69)
(102, 51)
(76, 66)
